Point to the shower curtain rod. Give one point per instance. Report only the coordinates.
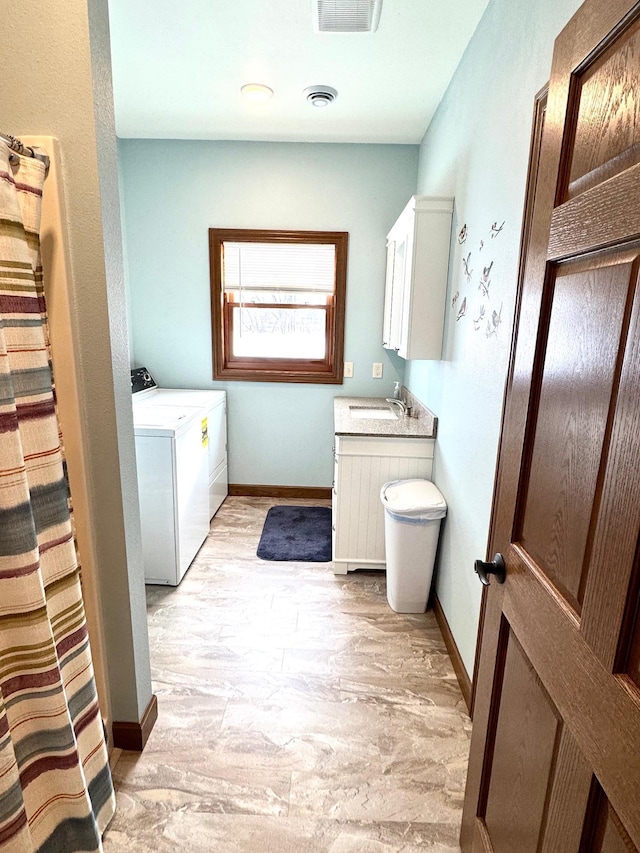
(17, 146)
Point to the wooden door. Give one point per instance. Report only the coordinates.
(555, 753)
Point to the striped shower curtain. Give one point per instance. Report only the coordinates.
(56, 794)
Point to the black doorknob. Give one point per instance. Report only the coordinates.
(496, 567)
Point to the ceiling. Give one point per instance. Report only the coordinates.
(178, 69)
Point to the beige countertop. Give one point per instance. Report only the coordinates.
(402, 426)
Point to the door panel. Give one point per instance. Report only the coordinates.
(574, 400)
(527, 727)
(604, 832)
(555, 754)
(568, 798)
(615, 535)
(631, 654)
(607, 129)
(601, 709)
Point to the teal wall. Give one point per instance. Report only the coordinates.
(174, 191)
(476, 149)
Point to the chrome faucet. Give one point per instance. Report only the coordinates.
(406, 410)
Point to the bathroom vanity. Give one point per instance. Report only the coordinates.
(373, 445)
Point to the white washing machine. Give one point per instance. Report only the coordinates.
(172, 467)
(145, 392)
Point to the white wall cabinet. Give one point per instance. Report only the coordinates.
(363, 464)
(416, 278)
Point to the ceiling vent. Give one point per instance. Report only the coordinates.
(320, 96)
(346, 16)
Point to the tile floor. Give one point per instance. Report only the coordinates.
(297, 713)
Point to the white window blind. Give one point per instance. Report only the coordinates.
(279, 267)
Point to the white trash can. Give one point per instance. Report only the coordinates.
(412, 513)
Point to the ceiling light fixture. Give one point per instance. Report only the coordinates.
(320, 96)
(256, 92)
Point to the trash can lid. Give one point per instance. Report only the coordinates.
(414, 498)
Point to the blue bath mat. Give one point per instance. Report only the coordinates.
(297, 533)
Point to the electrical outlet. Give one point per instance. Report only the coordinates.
(348, 369)
(377, 370)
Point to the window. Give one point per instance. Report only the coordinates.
(277, 304)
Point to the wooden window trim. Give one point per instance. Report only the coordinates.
(226, 367)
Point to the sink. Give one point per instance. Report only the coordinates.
(372, 413)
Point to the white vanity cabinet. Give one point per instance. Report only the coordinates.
(416, 278)
(362, 465)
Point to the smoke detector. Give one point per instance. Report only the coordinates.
(320, 96)
(346, 16)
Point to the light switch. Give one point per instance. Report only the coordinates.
(348, 369)
(377, 370)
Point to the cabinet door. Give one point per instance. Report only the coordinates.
(388, 293)
(403, 302)
(394, 292)
(359, 476)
